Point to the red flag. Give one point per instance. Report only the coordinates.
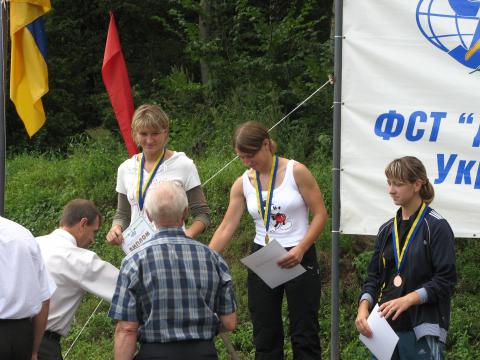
(115, 78)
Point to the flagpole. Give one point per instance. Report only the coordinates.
(337, 109)
(3, 54)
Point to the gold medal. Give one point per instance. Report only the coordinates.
(267, 239)
(397, 280)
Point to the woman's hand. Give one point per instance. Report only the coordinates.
(361, 320)
(397, 306)
(293, 257)
(114, 235)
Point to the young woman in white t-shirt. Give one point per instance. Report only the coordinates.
(156, 163)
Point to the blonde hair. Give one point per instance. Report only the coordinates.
(149, 116)
(249, 137)
(409, 169)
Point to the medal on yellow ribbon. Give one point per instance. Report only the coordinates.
(400, 257)
(265, 212)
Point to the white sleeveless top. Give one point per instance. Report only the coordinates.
(289, 214)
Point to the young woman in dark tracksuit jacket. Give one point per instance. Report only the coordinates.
(412, 272)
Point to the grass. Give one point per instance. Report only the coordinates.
(38, 185)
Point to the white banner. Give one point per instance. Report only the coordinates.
(410, 87)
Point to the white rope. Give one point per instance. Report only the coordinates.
(219, 171)
(303, 102)
(206, 182)
(81, 330)
(273, 127)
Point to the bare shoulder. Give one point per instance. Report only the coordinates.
(298, 166)
(237, 187)
(301, 172)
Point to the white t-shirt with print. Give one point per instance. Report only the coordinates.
(178, 168)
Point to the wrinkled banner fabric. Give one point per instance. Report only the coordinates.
(411, 86)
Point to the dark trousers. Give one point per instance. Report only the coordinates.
(16, 339)
(303, 298)
(50, 347)
(180, 350)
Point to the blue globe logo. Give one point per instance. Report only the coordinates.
(453, 27)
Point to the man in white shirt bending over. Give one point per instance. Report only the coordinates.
(75, 270)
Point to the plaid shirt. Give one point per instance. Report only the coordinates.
(175, 288)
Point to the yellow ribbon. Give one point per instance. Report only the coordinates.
(141, 195)
(265, 212)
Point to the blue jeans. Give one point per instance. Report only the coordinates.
(408, 348)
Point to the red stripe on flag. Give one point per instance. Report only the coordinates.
(115, 78)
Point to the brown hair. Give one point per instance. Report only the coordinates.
(410, 169)
(77, 209)
(149, 116)
(249, 137)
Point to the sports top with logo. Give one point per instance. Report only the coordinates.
(289, 214)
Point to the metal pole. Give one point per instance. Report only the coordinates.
(228, 345)
(337, 99)
(3, 55)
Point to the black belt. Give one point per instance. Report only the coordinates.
(52, 335)
(14, 320)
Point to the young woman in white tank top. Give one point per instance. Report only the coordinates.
(294, 194)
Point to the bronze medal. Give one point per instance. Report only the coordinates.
(400, 256)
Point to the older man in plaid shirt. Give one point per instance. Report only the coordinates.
(173, 293)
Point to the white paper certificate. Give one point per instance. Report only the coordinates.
(264, 263)
(136, 234)
(383, 340)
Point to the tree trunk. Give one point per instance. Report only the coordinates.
(204, 31)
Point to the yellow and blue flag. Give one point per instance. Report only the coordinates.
(28, 72)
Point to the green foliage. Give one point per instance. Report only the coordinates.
(39, 185)
(96, 338)
(279, 51)
(464, 338)
(360, 263)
